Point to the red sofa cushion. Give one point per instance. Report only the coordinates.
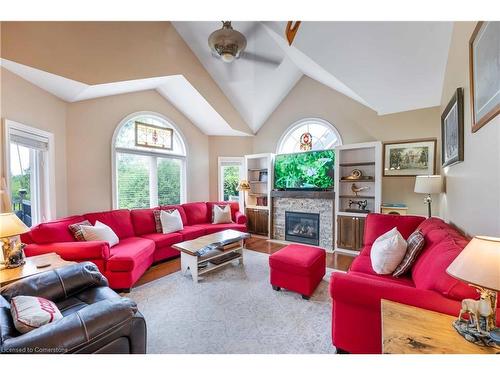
(235, 207)
(214, 228)
(378, 224)
(162, 240)
(118, 220)
(363, 265)
(55, 231)
(130, 253)
(180, 209)
(296, 259)
(143, 221)
(190, 233)
(196, 212)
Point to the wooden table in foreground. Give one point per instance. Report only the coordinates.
(412, 330)
(208, 248)
(9, 275)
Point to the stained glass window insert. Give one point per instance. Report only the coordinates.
(147, 135)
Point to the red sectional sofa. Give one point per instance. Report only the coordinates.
(356, 295)
(140, 245)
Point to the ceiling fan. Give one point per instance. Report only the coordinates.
(229, 44)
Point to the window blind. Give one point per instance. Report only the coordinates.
(29, 140)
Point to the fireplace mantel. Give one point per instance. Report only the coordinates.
(298, 194)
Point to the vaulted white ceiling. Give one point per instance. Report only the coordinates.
(175, 88)
(387, 66)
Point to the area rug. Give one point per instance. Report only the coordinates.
(233, 310)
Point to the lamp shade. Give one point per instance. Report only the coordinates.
(479, 263)
(429, 184)
(244, 185)
(10, 225)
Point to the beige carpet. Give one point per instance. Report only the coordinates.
(233, 310)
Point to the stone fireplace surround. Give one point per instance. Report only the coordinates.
(304, 201)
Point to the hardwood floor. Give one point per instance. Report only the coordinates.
(338, 261)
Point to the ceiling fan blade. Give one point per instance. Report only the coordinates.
(261, 59)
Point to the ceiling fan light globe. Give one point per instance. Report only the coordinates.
(227, 58)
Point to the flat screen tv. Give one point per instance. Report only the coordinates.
(312, 170)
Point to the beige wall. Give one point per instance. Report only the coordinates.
(103, 52)
(225, 146)
(472, 199)
(90, 128)
(356, 123)
(27, 104)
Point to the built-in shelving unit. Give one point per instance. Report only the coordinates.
(349, 224)
(258, 200)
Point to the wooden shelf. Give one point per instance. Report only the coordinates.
(359, 180)
(357, 164)
(258, 182)
(257, 169)
(357, 197)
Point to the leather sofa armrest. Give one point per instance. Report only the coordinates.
(71, 251)
(240, 218)
(74, 331)
(57, 284)
(368, 292)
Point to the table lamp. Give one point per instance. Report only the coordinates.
(244, 186)
(11, 226)
(479, 265)
(428, 185)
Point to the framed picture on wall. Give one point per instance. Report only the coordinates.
(484, 64)
(410, 158)
(452, 130)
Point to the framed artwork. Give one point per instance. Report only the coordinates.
(484, 64)
(410, 158)
(147, 135)
(452, 130)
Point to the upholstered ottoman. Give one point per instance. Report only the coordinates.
(299, 268)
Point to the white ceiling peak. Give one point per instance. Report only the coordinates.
(175, 88)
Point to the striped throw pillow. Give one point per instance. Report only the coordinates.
(76, 230)
(415, 243)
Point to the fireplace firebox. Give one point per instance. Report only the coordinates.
(302, 227)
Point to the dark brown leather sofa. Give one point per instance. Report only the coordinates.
(95, 318)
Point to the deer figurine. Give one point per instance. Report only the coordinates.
(476, 309)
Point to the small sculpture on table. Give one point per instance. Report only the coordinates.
(357, 190)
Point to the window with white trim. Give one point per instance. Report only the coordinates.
(309, 135)
(149, 158)
(30, 170)
(230, 175)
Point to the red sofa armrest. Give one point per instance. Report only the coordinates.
(240, 217)
(367, 293)
(71, 251)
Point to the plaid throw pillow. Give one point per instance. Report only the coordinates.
(157, 214)
(76, 230)
(415, 243)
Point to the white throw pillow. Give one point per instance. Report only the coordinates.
(387, 252)
(171, 221)
(29, 312)
(100, 232)
(222, 215)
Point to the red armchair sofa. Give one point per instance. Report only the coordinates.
(140, 245)
(356, 295)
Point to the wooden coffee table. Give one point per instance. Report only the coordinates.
(210, 252)
(31, 267)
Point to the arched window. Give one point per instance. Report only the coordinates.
(149, 162)
(309, 135)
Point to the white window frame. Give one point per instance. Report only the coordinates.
(49, 191)
(302, 122)
(153, 188)
(221, 160)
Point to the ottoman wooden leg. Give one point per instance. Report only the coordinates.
(305, 297)
(276, 288)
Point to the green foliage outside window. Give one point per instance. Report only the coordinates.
(231, 181)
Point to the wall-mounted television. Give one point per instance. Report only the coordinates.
(312, 170)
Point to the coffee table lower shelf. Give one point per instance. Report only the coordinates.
(192, 262)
